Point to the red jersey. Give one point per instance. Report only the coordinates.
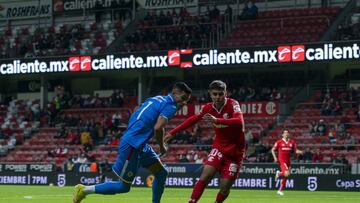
(284, 149)
(229, 127)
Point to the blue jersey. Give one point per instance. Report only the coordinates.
(142, 121)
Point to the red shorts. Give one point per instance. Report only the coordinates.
(285, 166)
(228, 169)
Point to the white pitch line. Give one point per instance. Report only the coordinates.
(333, 197)
(35, 196)
(261, 197)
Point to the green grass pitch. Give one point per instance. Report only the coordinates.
(47, 194)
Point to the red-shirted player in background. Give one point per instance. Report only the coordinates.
(228, 149)
(284, 147)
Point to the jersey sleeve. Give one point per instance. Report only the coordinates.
(190, 121)
(237, 118)
(168, 112)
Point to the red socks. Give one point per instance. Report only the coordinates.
(220, 197)
(283, 183)
(197, 191)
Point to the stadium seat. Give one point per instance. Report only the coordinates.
(294, 27)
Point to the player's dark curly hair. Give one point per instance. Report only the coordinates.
(217, 85)
(183, 87)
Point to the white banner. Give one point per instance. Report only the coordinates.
(160, 4)
(26, 9)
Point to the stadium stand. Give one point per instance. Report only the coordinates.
(176, 29)
(327, 125)
(19, 120)
(67, 33)
(349, 29)
(297, 25)
(55, 133)
(60, 39)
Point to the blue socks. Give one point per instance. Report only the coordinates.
(111, 188)
(115, 187)
(158, 185)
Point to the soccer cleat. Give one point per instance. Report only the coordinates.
(79, 193)
(277, 175)
(280, 193)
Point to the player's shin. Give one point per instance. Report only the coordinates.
(282, 184)
(220, 197)
(197, 191)
(158, 185)
(113, 187)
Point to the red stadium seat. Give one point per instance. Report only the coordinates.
(291, 28)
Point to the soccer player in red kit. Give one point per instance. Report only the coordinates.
(228, 149)
(284, 147)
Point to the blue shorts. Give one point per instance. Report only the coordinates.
(129, 160)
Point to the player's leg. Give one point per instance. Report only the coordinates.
(225, 185)
(280, 174)
(228, 174)
(285, 171)
(158, 186)
(205, 177)
(283, 181)
(277, 175)
(211, 165)
(150, 160)
(282, 186)
(125, 168)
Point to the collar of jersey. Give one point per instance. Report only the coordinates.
(285, 140)
(171, 97)
(219, 111)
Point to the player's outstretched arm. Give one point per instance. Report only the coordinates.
(186, 124)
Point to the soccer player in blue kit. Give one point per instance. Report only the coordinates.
(147, 121)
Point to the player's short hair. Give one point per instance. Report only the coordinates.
(284, 129)
(217, 85)
(183, 87)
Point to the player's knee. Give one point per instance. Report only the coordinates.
(206, 177)
(161, 175)
(286, 173)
